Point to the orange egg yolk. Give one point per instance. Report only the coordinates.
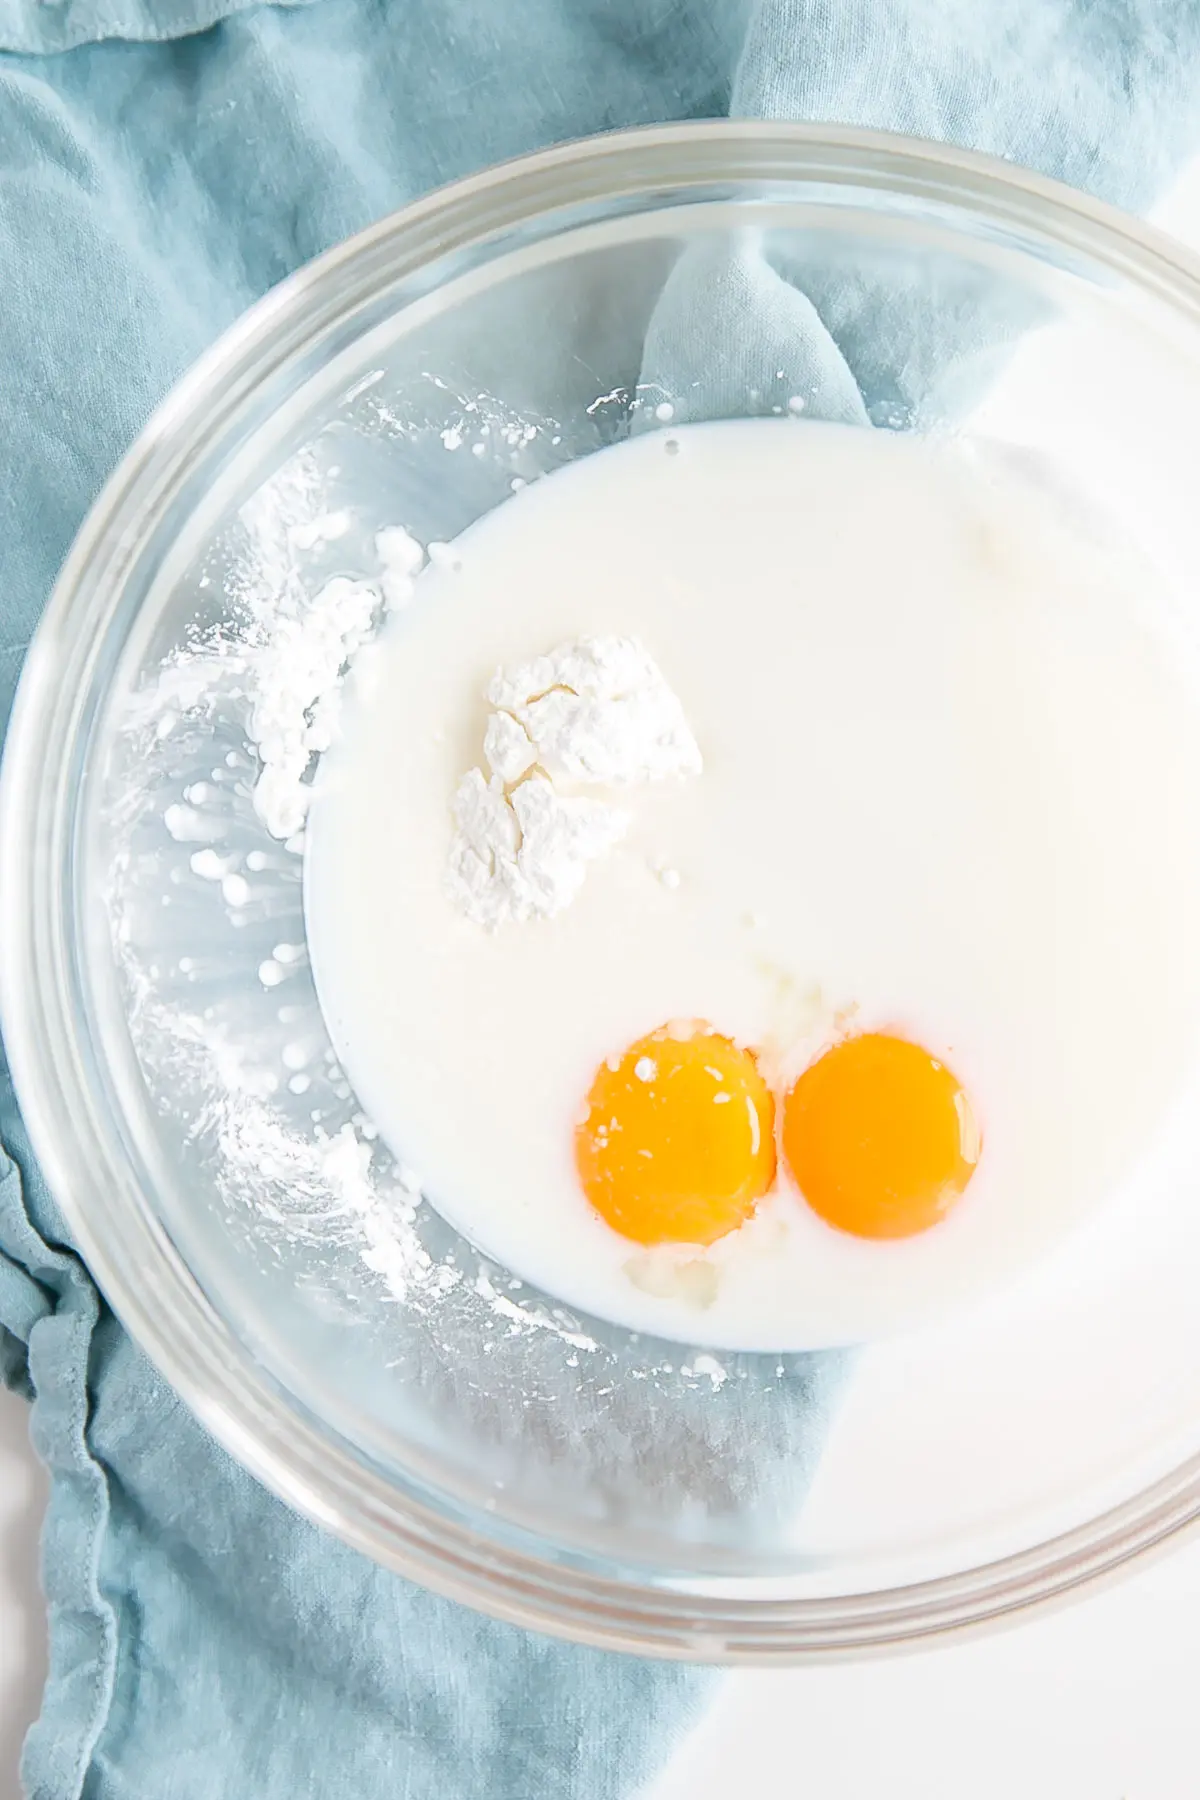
(880, 1137)
(678, 1141)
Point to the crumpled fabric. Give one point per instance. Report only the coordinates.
(162, 163)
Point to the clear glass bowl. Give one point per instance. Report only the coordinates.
(330, 1330)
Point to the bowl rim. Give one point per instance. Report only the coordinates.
(169, 1317)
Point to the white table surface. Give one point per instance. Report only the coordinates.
(22, 1627)
(1098, 1700)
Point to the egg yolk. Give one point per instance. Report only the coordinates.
(880, 1137)
(678, 1140)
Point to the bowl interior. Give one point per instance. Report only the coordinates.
(201, 1064)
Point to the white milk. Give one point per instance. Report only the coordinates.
(950, 787)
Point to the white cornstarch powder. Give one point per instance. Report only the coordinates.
(297, 687)
(597, 712)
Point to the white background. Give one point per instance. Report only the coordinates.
(1099, 1700)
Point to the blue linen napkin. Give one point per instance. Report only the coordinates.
(162, 162)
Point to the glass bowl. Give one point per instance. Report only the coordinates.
(166, 1039)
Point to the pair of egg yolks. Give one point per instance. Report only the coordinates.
(678, 1142)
